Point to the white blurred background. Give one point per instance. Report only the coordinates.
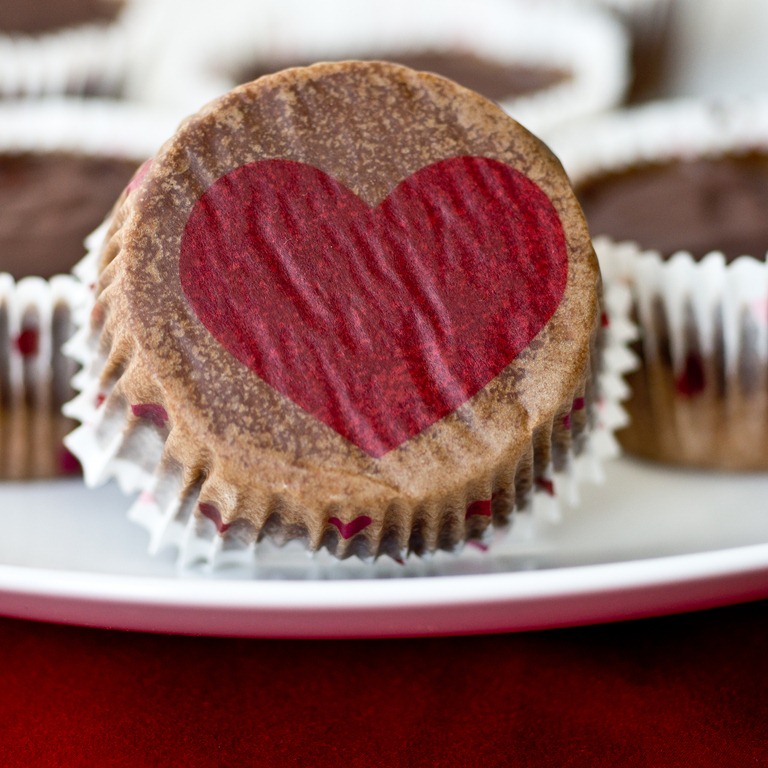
(718, 48)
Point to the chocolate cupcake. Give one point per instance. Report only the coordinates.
(59, 175)
(543, 66)
(350, 304)
(676, 194)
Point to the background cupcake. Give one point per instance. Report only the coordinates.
(544, 66)
(61, 165)
(675, 194)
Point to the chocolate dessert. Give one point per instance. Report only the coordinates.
(350, 304)
(681, 223)
(49, 202)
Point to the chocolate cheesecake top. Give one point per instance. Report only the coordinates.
(49, 203)
(349, 292)
(34, 18)
(698, 205)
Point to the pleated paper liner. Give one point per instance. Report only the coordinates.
(35, 317)
(114, 441)
(121, 57)
(73, 52)
(700, 396)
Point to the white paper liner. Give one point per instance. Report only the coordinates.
(715, 310)
(122, 60)
(208, 52)
(91, 126)
(73, 62)
(35, 373)
(34, 379)
(108, 451)
(647, 21)
(645, 17)
(90, 59)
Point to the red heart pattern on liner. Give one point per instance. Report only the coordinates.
(353, 527)
(378, 321)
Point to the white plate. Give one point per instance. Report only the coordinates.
(650, 541)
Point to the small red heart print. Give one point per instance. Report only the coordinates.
(348, 530)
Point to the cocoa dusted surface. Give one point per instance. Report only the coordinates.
(34, 17)
(496, 80)
(251, 453)
(49, 203)
(701, 205)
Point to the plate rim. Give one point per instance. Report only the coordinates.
(385, 593)
(357, 605)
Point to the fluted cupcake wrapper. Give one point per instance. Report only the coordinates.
(237, 456)
(701, 394)
(97, 126)
(35, 318)
(127, 441)
(124, 59)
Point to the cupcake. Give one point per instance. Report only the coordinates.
(675, 194)
(543, 66)
(61, 166)
(349, 304)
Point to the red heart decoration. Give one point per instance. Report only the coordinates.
(378, 321)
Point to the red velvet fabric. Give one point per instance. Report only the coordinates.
(687, 690)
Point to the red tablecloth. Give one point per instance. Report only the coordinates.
(688, 690)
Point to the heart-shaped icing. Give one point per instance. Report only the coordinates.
(378, 321)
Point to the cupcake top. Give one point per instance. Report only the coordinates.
(23, 18)
(62, 164)
(698, 205)
(687, 175)
(351, 292)
(49, 202)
